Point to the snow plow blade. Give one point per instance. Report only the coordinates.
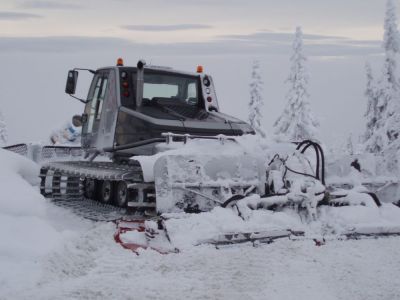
(201, 182)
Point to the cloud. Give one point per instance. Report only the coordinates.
(37, 4)
(268, 36)
(175, 27)
(316, 46)
(364, 43)
(15, 16)
(60, 44)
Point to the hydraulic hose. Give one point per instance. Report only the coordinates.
(320, 157)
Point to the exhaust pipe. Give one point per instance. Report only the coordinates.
(139, 82)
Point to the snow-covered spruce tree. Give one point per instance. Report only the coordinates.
(383, 109)
(391, 39)
(256, 100)
(384, 137)
(297, 122)
(372, 137)
(389, 86)
(3, 131)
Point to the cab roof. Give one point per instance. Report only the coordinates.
(155, 68)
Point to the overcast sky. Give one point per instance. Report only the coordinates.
(41, 40)
(192, 20)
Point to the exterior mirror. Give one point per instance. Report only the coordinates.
(77, 121)
(71, 82)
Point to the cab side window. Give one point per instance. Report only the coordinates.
(96, 99)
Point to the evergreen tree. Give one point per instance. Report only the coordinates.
(3, 131)
(391, 45)
(383, 107)
(256, 100)
(372, 112)
(388, 109)
(372, 137)
(388, 103)
(297, 121)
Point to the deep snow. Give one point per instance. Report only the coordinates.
(48, 253)
(30, 228)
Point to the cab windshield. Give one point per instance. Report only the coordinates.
(170, 89)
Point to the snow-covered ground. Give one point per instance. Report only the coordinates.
(30, 228)
(47, 252)
(94, 267)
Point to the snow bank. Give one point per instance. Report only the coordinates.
(28, 170)
(26, 234)
(18, 197)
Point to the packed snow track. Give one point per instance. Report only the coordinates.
(92, 266)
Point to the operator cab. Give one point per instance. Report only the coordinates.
(130, 107)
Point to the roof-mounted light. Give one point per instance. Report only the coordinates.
(199, 69)
(120, 62)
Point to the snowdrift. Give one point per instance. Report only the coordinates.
(26, 234)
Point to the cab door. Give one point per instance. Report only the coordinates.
(94, 107)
